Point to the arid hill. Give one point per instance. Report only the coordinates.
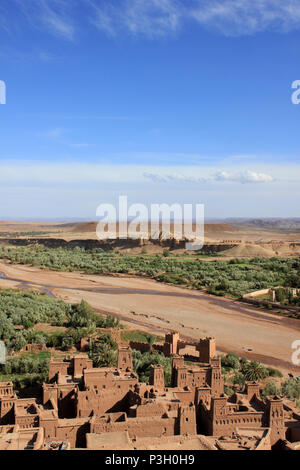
(230, 240)
(81, 228)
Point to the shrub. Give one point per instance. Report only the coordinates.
(274, 372)
(270, 389)
(238, 379)
(230, 361)
(228, 390)
(81, 315)
(67, 343)
(291, 388)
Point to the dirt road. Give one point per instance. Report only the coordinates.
(157, 307)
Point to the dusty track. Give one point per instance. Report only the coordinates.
(158, 307)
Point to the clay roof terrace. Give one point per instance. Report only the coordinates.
(24, 407)
(106, 372)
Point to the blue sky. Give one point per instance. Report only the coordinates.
(165, 101)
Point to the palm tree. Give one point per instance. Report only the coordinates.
(150, 340)
(254, 370)
(137, 363)
(102, 354)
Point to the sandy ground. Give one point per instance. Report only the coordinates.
(159, 308)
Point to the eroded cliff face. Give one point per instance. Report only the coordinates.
(109, 245)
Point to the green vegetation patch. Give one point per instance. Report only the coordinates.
(234, 278)
(139, 336)
(242, 370)
(142, 365)
(21, 310)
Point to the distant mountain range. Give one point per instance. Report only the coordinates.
(267, 223)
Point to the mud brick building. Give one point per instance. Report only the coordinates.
(82, 406)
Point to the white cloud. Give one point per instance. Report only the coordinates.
(245, 176)
(229, 17)
(242, 17)
(174, 177)
(52, 15)
(150, 17)
(156, 17)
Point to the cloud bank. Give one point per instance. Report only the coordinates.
(243, 177)
(74, 173)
